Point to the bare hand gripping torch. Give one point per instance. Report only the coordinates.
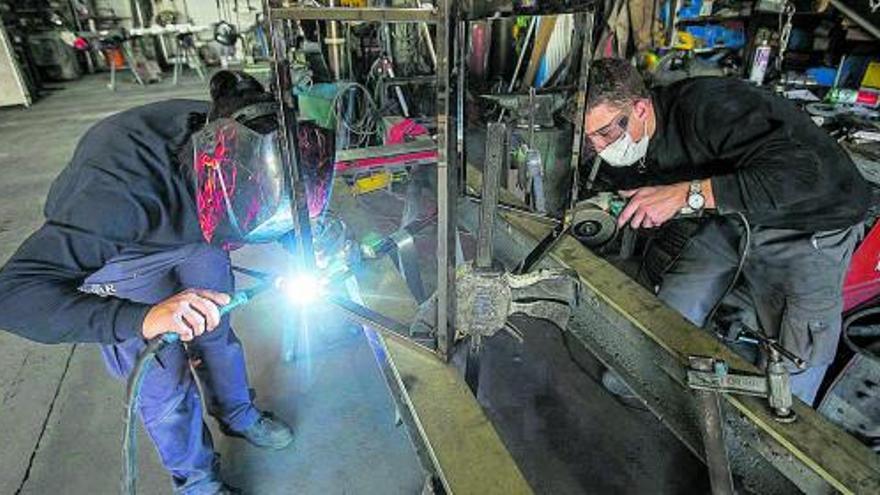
(144, 363)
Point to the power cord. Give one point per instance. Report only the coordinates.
(744, 254)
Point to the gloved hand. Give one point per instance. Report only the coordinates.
(188, 314)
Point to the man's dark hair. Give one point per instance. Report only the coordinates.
(232, 91)
(614, 81)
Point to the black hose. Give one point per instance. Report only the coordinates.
(744, 254)
(143, 364)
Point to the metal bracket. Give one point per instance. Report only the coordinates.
(488, 298)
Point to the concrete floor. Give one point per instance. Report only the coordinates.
(60, 415)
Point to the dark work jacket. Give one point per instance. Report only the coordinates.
(123, 191)
(765, 157)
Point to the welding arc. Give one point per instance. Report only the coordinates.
(145, 361)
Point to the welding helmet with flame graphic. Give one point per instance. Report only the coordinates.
(240, 191)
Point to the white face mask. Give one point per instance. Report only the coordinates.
(624, 152)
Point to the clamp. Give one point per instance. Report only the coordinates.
(713, 375)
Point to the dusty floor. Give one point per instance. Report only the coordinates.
(60, 414)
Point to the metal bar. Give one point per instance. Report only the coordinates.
(581, 99)
(858, 19)
(463, 43)
(353, 154)
(446, 186)
(373, 14)
(496, 151)
(542, 248)
(496, 137)
(712, 431)
(388, 327)
(303, 249)
(404, 413)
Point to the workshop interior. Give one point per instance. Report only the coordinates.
(452, 271)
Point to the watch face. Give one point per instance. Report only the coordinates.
(696, 201)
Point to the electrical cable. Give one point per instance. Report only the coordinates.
(744, 254)
(142, 365)
(368, 123)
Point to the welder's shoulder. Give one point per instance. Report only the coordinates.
(164, 118)
(128, 138)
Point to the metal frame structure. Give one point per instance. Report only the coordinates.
(450, 46)
(620, 323)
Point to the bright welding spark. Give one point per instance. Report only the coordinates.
(303, 288)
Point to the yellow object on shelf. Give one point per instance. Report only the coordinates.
(872, 76)
(684, 41)
(371, 183)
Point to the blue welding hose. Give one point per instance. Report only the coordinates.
(145, 361)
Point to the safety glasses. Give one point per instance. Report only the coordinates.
(611, 131)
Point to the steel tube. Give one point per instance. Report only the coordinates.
(495, 152)
(446, 184)
(858, 19)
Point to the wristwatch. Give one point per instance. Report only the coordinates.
(695, 199)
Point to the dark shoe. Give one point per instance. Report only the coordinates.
(268, 432)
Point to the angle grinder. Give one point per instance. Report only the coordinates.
(594, 220)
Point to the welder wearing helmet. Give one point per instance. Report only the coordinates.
(764, 174)
(135, 244)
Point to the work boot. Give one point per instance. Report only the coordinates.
(268, 432)
(612, 382)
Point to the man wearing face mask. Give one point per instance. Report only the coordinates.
(136, 244)
(747, 161)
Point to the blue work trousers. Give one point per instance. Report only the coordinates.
(170, 402)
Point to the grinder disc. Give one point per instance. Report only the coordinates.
(593, 227)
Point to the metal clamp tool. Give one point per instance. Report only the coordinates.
(707, 373)
(709, 377)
